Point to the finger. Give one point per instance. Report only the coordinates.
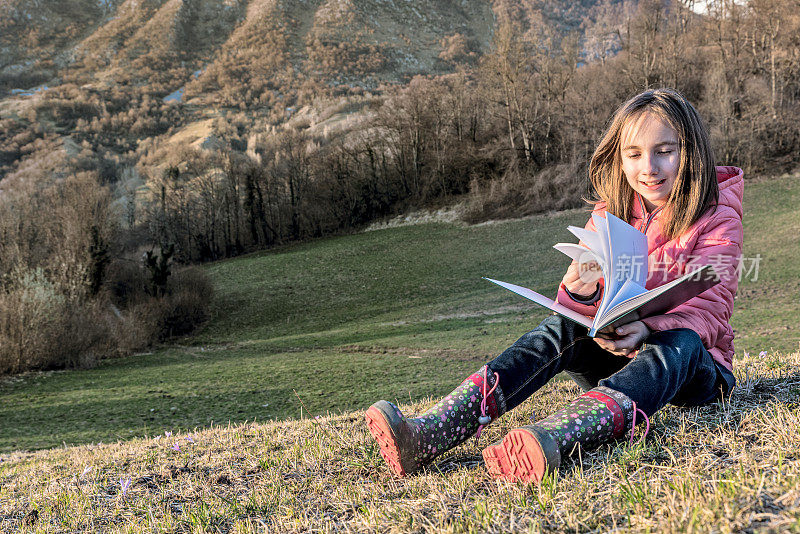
(572, 272)
(570, 278)
(606, 344)
(625, 343)
(624, 330)
(606, 335)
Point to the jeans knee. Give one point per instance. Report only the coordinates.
(563, 326)
(676, 348)
(554, 328)
(681, 339)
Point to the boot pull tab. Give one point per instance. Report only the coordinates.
(484, 419)
(633, 426)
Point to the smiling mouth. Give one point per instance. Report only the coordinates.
(653, 184)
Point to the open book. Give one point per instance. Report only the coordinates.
(621, 252)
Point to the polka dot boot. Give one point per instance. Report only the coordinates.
(409, 444)
(528, 453)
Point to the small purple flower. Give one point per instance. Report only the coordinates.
(167, 433)
(189, 439)
(124, 484)
(762, 354)
(176, 447)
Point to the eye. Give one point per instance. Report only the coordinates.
(665, 151)
(632, 155)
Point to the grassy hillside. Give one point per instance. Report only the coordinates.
(728, 467)
(399, 313)
(335, 324)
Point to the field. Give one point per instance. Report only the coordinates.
(327, 327)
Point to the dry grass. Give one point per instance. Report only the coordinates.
(732, 466)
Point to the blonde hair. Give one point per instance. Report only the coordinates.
(695, 190)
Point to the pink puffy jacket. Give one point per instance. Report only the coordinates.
(716, 238)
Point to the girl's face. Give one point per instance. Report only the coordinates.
(650, 155)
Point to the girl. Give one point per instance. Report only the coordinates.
(655, 169)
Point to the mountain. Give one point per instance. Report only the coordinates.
(99, 71)
(37, 36)
(164, 42)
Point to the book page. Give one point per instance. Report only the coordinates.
(602, 236)
(579, 253)
(627, 259)
(590, 239)
(628, 290)
(541, 300)
(628, 251)
(611, 283)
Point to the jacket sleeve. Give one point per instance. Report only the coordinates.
(708, 314)
(583, 307)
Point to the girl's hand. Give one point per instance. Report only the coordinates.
(628, 338)
(581, 278)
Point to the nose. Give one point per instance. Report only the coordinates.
(649, 166)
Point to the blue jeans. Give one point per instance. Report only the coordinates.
(671, 366)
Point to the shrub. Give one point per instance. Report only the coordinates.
(518, 193)
(29, 314)
(44, 326)
(146, 318)
(40, 328)
(186, 304)
(84, 335)
(126, 283)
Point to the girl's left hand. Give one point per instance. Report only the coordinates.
(628, 338)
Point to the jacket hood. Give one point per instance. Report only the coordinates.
(731, 187)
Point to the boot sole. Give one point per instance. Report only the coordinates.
(523, 455)
(380, 428)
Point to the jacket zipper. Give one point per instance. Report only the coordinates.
(648, 217)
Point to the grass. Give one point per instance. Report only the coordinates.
(342, 321)
(399, 313)
(727, 467)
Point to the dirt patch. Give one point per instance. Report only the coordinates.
(415, 353)
(450, 214)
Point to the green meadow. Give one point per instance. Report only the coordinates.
(330, 326)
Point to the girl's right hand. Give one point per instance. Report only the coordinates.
(581, 278)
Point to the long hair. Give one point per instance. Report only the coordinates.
(695, 190)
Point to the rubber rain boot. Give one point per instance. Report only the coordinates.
(409, 444)
(528, 453)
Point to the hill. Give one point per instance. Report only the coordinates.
(334, 324)
(362, 42)
(732, 466)
(357, 41)
(312, 333)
